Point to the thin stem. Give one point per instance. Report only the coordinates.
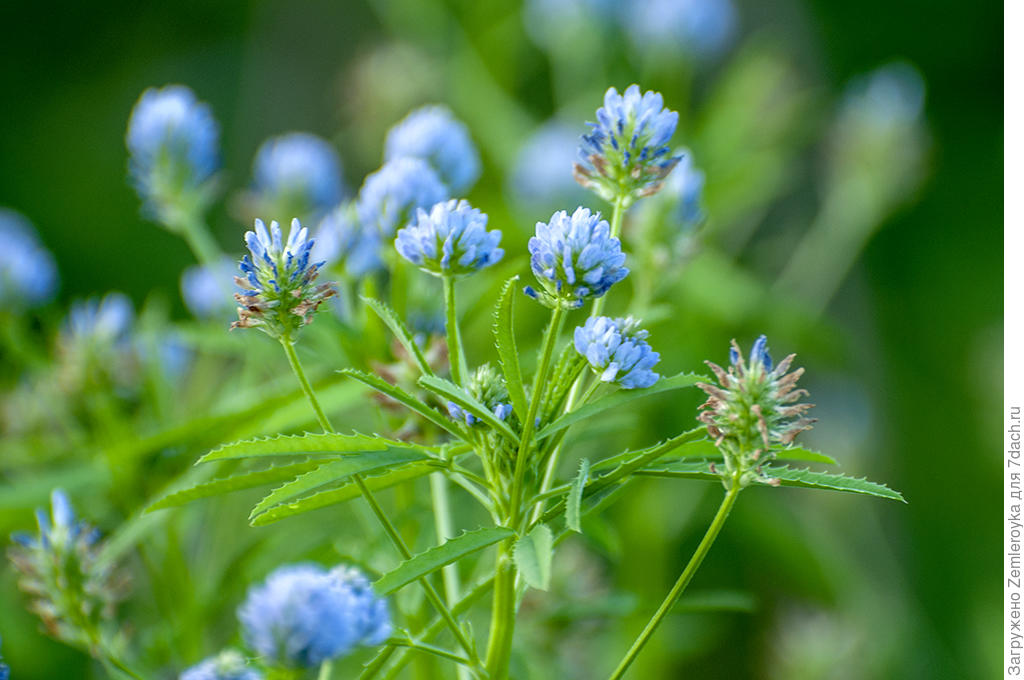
(389, 528)
(443, 525)
(457, 357)
(684, 580)
(326, 668)
(429, 649)
(198, 238)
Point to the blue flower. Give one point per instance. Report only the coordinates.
(303, 615)
(278, 291)
(451, 239)
(206, 290)
(685, 186)
(228, 665)
(342, 240)
(626, 154)
(172, 141)
(297, 174)
(542, 175)
(390, 196)
(699, 27)
(435, 135)
(575, 258)
(105, 321)
(617, 350)
(28, 274)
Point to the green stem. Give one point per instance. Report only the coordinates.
(198, 237)
(429, 649)
(326, 668)
(683, 581)
(389, 528)
(457, 357)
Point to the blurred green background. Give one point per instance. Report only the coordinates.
(904, 360)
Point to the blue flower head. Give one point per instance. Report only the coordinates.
(542, 176)
(685, 186)
(100, 322)
(390, 196)
(206, 290)
(626, 154)
(487, 386)
(343, 242)
(279, 294)
(172, 143)
(228, 665)
(303, 615)
(297, 174)
(435, 135)
(450, 240)
(701, 28)
(617, 351)
(575, 258)
(28, 274)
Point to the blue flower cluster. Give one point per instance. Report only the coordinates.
(278, 292)
(617, 350)
(390, 196)
(172, 140)
(103, 321)
(28, 274)
(206, 289)
(685, 186)
(303, 615)
(450, 240)
(341, 240)
(435, 135)
(701, 28)
(575, 258)
(297, 174)
(541, 176)
(228, 665)
(626, 154)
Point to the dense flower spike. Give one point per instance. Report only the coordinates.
(303, 615)
(341, 240)
(172, 140)
(626, 154)
(435, 135)
(206, 290)
(452, 239)
(575, 258)
(753, 412)
(28, 274)
(71, 592)
(488, 387)
(390, 196)
(297, 173)
(617, 350)
(228, 665)
(278, 291)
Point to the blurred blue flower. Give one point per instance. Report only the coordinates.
(172, 142)
(548, 22)
(299, 174)
(542, 175)
(451, 239)
(278, 292)
(28, 274)
(207, 290)
(626, 154)
(435, 135)
(390, 196)
(303, 615)
(105, 321)
(5, 671)
(575, 258)
(685, 186)
(699, 27)
(617, 351)
(342, 240)
(228, 665)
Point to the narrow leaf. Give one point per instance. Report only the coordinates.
(452, 392)
(505, 341)
(290, 445)
(533, 554)
(805, 455)
(428, 562)
(235, 482)
(572, 502)
(618, 398)
(401, 332)
(403, 397)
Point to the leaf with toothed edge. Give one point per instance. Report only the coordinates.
(234, 482)
(572, 501)
(429, 561)
(533, 555)
(301, 444)
(403, 397)
(452, 392)
(400, 331)
(505, 341)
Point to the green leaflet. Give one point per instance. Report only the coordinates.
(403, 397)
(505, 341)
(572, 501)
(431, 560)
(337, 470)
(452, 392)
(533, 553)
(787, 476)
(618, 398)
(235, 482)
(705, 448)
(300, 444)
(342, 494)
(402, 334)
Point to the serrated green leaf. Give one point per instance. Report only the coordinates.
(403, 397)
(804, 455)
(429, 561)
(618, 398)
(402, 334)
(452, 392)
(533, 553)
(572, 501)
(505, 341)
(235, 482)
(787, 476)
(334, 471)
(298, 444)
(342, 494)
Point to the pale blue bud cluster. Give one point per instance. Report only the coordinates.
(298, 172)
(450, 240)
(390, 196)
(28, 274)
(341, 240)
(435, 135)
(206, 289)
(617, 351)
(228, 665)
